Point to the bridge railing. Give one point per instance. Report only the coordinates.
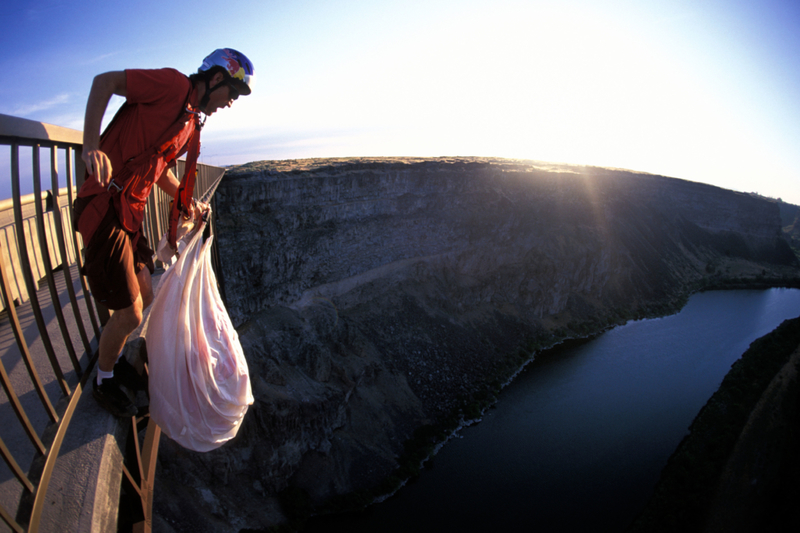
(45, 369)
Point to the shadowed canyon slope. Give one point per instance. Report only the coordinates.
(374, 296)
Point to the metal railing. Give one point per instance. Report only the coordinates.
(38, 248)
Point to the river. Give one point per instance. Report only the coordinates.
(578, 440)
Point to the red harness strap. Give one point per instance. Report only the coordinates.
(128, 188)
(183, 197)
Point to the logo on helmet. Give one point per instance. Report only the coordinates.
(234, 66)
(237, 66)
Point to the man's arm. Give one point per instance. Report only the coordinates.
(169, 183)
(103, 87)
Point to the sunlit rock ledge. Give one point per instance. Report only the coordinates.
(374, 296)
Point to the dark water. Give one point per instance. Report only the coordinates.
(578, 440)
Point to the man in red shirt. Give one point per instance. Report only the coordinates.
(157, 123)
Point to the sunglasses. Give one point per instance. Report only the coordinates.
(232, 92)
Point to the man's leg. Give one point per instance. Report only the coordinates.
(112, 340)
(145, 287)
(123, 322)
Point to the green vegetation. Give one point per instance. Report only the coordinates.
(689, 480)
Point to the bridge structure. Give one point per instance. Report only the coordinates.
(68, 465)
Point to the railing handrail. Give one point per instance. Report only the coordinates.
(28, 199)
(22, 128)
(52, 241)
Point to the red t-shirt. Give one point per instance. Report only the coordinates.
(157, 99)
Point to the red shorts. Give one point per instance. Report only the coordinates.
(113, 258)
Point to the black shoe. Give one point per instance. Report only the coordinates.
(126, 375)
(113, 399)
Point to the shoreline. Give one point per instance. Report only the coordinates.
(687, 490)
(427, 452)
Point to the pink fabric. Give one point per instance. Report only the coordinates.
(199, 380)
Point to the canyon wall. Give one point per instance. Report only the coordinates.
(376, 296)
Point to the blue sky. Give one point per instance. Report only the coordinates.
(701, 90)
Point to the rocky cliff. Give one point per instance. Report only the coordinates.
(375, 297)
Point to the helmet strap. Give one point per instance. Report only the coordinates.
(207, 94)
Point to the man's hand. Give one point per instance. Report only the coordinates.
(98, 165)
(197, 210)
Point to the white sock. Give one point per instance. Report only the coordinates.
(101, 375)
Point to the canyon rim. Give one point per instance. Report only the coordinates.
(375, 297)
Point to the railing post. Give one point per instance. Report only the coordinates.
(62, 248)
(76, 237)
(26, 270)
(48, 267)
(80, 168)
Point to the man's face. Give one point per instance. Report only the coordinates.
(221, 97)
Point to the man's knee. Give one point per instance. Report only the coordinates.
(131, 317)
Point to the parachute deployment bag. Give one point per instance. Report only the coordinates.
(199, 380)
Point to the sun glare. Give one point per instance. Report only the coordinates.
(517, 81)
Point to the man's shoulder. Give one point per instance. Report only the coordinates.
(148, 84)
(167, 72)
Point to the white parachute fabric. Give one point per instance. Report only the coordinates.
(199, 381)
